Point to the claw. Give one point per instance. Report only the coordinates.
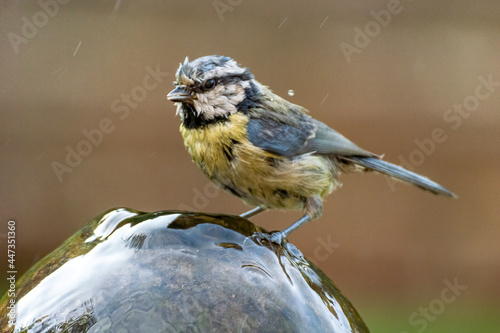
(277, 238)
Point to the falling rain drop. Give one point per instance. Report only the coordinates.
(291, 92)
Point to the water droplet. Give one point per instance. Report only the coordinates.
(291, 92)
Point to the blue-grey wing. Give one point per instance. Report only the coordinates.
(307, 136)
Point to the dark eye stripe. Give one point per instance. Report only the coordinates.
(225, 80)
(245, 76)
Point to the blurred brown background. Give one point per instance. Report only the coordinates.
(389, 247)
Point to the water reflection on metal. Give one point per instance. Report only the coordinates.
(174, 271)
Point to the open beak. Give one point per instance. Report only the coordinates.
(180, 94)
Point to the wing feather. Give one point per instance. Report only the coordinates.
(300, 137)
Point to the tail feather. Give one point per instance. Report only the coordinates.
(400, 173)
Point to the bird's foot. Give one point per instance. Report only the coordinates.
(276, 237)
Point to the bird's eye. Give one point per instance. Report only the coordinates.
(209, 84)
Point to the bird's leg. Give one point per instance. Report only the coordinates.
(313, 209)
(303, 220)
(253, 212)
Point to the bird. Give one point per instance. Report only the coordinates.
(264, 149)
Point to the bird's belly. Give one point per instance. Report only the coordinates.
(279, 182)
(264, 179)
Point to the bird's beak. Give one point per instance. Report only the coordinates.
(180, 94)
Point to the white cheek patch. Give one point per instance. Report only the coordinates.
(202, 106)
(221, 101)
(239, 93)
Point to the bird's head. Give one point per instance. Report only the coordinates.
(211, 88)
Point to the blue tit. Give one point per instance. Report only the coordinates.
(262, 148)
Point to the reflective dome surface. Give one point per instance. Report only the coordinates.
(170, 271)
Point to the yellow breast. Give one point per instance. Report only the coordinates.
(212, 147)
